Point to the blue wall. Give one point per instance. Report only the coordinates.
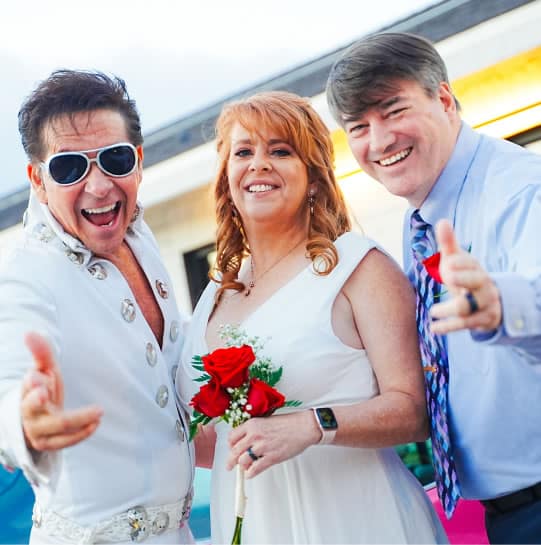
(16, 501)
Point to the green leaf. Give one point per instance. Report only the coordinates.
(274, 376)
(293, 403)
(193, 430)
(197, 419)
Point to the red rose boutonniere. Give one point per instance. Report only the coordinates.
(238, 385)
(432, 266)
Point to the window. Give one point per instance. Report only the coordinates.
(197, 264)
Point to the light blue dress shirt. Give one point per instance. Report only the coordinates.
(490, 190)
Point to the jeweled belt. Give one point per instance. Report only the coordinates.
(135, 524)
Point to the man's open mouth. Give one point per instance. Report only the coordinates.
(103, 216)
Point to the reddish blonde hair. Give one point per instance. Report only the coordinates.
(293, 119)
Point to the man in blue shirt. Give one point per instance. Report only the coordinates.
(390, 92)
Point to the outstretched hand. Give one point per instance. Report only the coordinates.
(46, 425)
(462, 275)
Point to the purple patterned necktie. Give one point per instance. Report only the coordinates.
(435, 365)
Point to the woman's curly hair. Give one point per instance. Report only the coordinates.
(292, 118)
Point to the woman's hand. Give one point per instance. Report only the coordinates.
(272, 440)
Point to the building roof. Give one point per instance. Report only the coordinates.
(436, 23)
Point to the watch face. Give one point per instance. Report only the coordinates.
(326, 418)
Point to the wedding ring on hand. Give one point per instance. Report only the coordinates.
(472, 302)
(252, 454)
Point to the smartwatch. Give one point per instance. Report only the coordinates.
(327, 423)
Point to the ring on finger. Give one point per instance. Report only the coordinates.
(252, 454)
(472, 302)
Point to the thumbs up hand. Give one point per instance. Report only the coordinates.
(46, 425)
(474, 301)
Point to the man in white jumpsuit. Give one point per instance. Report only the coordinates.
(89, 414)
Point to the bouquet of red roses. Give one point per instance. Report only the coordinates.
(238, 384)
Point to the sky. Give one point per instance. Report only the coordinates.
(176, 56)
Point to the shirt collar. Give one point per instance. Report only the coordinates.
(39, 222)
(443, 198)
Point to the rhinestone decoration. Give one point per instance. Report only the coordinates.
(162, 397)
(43, 233)
(74, 257)
(152, 356)
(138, 520)
(163, 290)
(180, 430)
(98, 271)
(174, 370)
(174, 331)
(127, 308)
(160, 523)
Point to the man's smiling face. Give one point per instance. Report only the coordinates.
(98, 209)
(405, 141)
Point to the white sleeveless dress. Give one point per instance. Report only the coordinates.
(327, 494)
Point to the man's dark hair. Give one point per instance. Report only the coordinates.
(68, 92)
(372, 68)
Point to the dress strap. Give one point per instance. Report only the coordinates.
(352, 248)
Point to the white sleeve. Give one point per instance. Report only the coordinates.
(24, 307)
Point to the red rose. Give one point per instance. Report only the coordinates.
(432, 266)
(211, 400)
(263, 399)
(229, 366)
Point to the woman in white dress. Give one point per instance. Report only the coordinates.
(339, 316)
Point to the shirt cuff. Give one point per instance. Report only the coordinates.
(521, 310)
(40, 468)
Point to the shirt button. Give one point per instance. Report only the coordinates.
(75, 257)
(174, 331)
(162, 397)
(127, 309)
(174, 370)
(180, 430)
(98, 271)
(163, 290)
(152, 357)
(519, 323)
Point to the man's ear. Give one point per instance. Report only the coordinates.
(446, 97)
(140, 157)
(36, 179)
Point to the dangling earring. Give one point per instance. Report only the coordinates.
(311, 201)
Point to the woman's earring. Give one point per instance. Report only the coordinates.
(311, 201)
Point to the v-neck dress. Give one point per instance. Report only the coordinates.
(328, 493)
